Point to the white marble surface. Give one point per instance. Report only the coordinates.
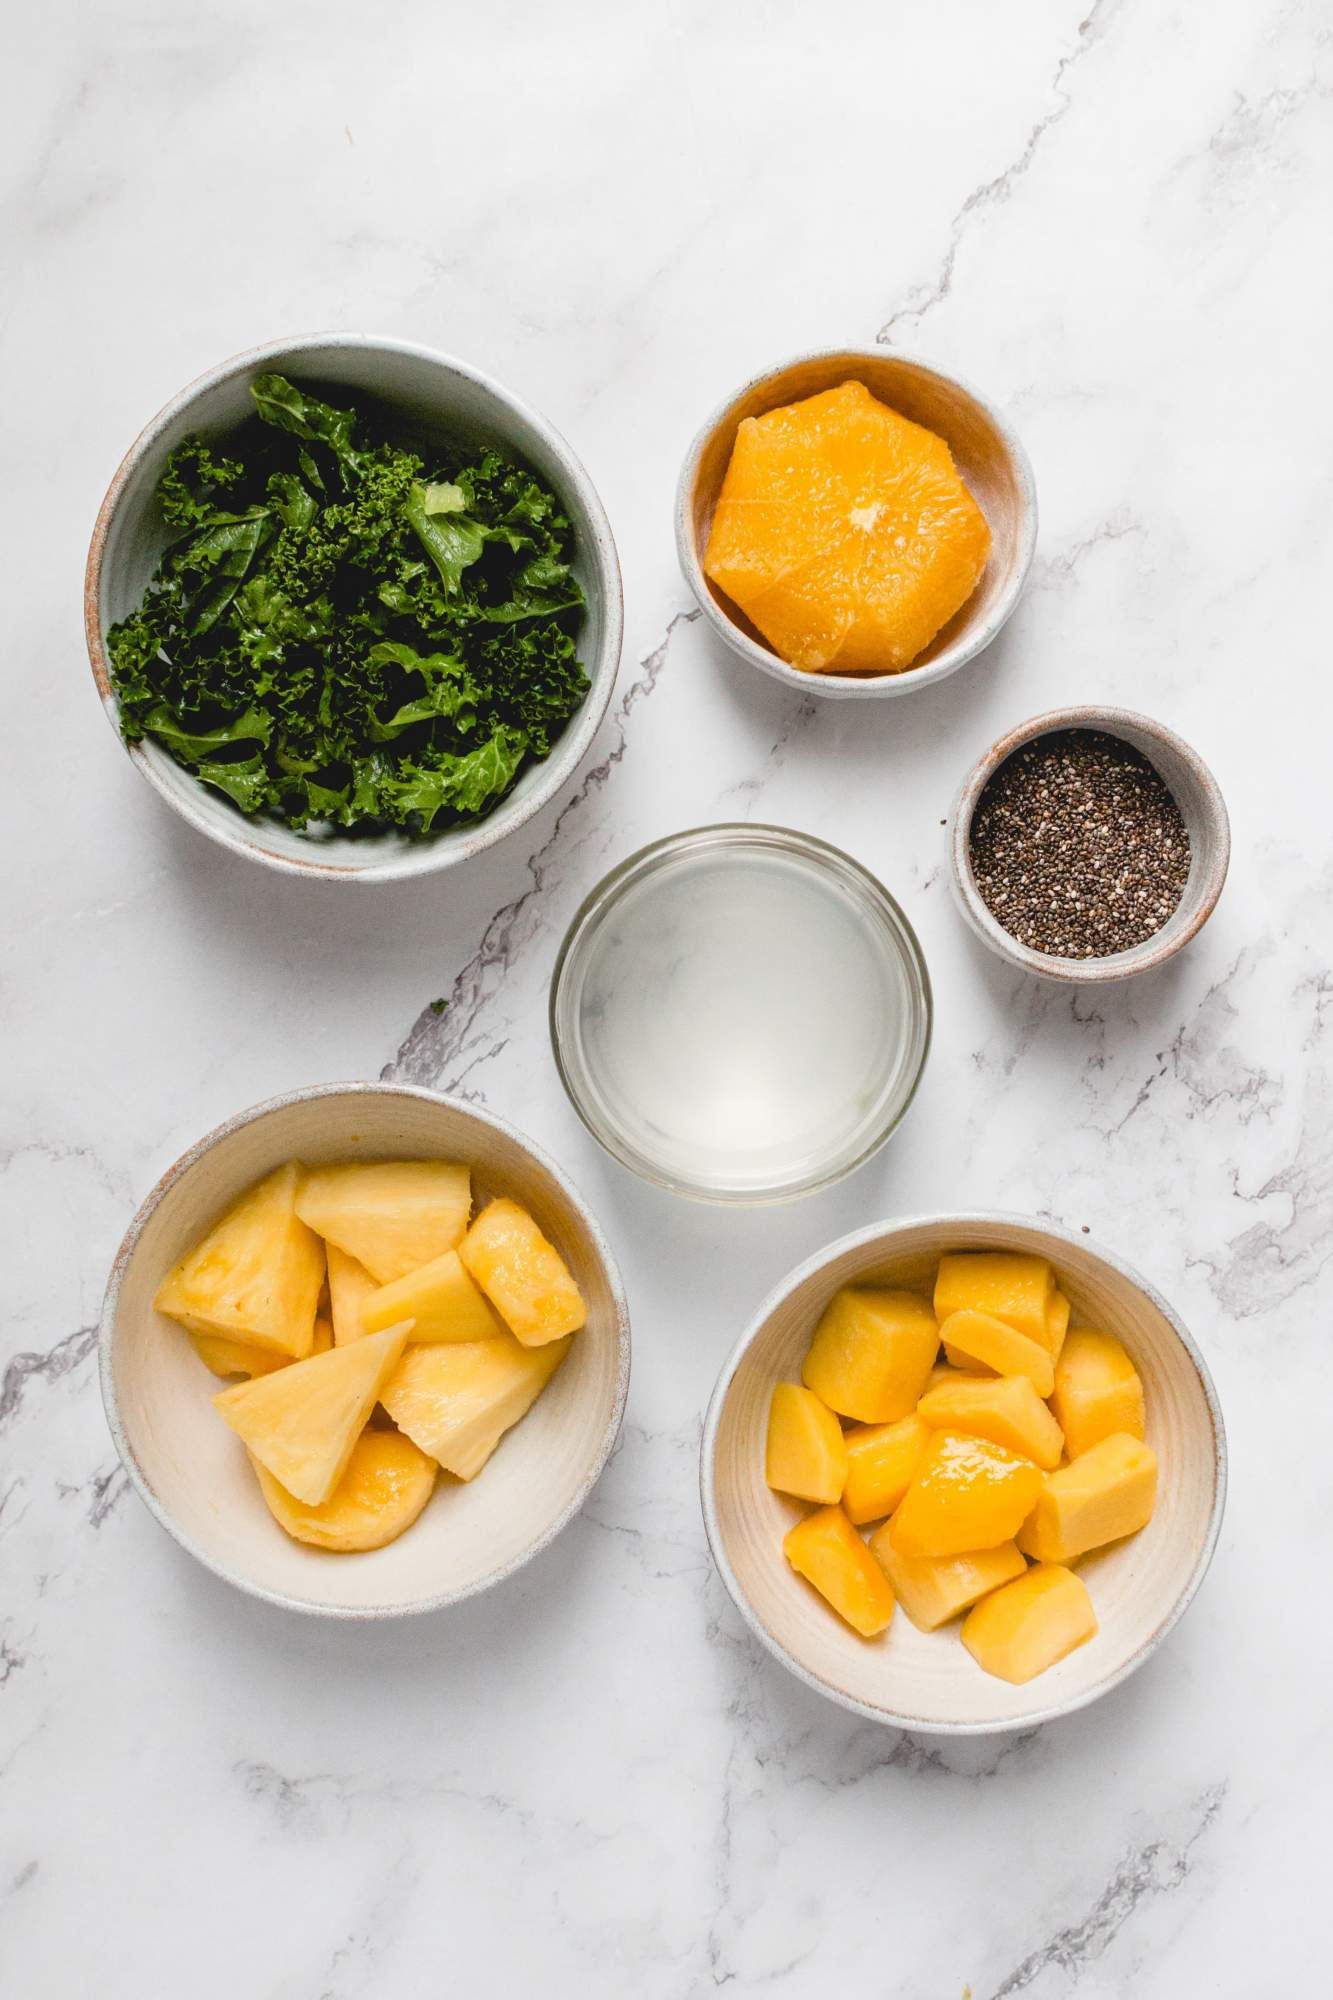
(592, 1783)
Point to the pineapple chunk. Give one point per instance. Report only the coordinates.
(350, 1285)
(1008, 1284)
(934, 1589)
(997, 1345)
(1004, 1408)
(1099, 1497)
(1029, 1624)
(871, 1354)
(232, 1357)
(457, 1399)
(826, 1550)
(524, 1277)
(441, 1301)
(966, 1494)
(386, 1485)
(1097, 1391)
(391, 1215)
(881, 1459)
(256, 1276)
(806, 1455)
(303, 1421)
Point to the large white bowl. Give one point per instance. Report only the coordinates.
(192, 1470)
(439, 397)
(927, 1680)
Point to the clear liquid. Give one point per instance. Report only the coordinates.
(746, 1019)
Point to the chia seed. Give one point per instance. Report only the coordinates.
(1078, 847)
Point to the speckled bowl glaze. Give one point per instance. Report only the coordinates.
(192, 1470)
(927, 1680)
(437, 396)
(989, 456)
(1201, 807)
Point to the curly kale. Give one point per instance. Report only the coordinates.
(341, 634)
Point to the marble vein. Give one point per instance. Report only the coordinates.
(51, 1366)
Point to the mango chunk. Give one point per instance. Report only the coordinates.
(806, 1455)
(391, 1215)
(303, 1421)
(1097, 1391)
(1004, 1408)
(386, 1485)
(350, 1285)
(934, 1589)
(524, 1277)
(1057, 1324)
(1101, 1496)
(826, 1550)
(871, 1353)
(881, 1459)
(1009, 1285)
(1029, 1624)
(981, 1337)
(967, 1494)
(441, 1301)
(456, 1399)
(256, 1276)
(950, 1371)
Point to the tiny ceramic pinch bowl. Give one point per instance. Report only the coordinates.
(192, 1470)
(987, 453)
(1202, 809)
(437, 399)
(928, 1680)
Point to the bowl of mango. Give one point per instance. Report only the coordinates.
(963, 1473)
(364, 1351)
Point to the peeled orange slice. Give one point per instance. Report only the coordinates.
(845, 534)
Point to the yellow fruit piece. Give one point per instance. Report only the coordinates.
(441, 1301)
(966, 1494)
(1057, 1324)
(524, 1277)
(457, 1399)
(982, 1337)
(1008, 1284)
(1004, 1408)
(303, 1421)
(881, 1459)
(844, 532)
(1099, 1497)
(229, 1358)
(826, 1550)
(934, 1589)
(960, 1364)
(350, 1285)
(386, 1485)
(391, 1215)
(805, 1454)
(954, 1371)
(256, 1276)
(871, 1354)
(1097, 1391)
(1029, 1624)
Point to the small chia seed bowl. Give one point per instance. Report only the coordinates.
(1197, 798)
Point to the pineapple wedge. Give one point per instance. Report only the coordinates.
(386, 1485)
(350, 1285)
(302, 1422)
(457, 1399)
(391, 1215)
(233, 1357)
(256, 1276)
(524, 1277)
(441, 1301)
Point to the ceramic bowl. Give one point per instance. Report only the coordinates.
(192, 1470)
(927, 1680)
(987, 453)
(1195, 791)
(438, 397)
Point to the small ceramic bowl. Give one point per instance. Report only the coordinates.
(927, 1680)
(1195, 791)
(192, 1471)
(439, 398)
(989, 456)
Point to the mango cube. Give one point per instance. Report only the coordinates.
(967, 1494)
(1009, 1285)
(881, 1459)
(1057, 1324)
(934, 1589)
(806, 1454)
(456, 1399)
(1004, 1408)
(386, 1484)
(871, 1354)
(951, 1371)
(391, 1215)
(1099, 1497)
(524, 1277)
(303, 1421)
(1029, 1624)
(256, 1276)
(1097, 1391)
(441, 1301)
(826, 1550)
(981, 1337)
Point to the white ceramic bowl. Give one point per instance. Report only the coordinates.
(927, 1680)
(192, 1470)
(986, 451)
(439, 397)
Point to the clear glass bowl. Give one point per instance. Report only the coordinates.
(740, 1013)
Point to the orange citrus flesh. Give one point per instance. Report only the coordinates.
(845, 534)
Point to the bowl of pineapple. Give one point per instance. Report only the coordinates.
(963, 1473)
(364, 1350)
